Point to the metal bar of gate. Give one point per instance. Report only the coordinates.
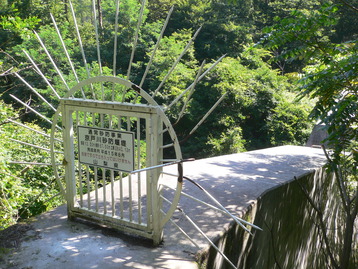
(112, 193)
(96, 186)
(111, 173)
(111, 176)
(104, 190)
(136, 207)
(87, 171)
(183, 232)
(130, 180)
(80, 175)
(120, 179)
(139, 185)
(206, 237)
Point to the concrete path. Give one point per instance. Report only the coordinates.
(236, 180)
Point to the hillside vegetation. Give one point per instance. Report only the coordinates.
(288, 64)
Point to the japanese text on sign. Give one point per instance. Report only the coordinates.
(106, 148)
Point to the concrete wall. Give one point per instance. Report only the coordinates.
(290, 236)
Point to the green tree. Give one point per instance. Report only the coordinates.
(256, 113)
(24, 191)
(226, 28)
(330, 78)
(251, 116)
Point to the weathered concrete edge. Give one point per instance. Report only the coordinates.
(247, 214)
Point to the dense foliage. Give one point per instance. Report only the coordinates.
(23, 191)
(226, 28)
(260, 109)
(330, 77)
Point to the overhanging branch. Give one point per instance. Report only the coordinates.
(348, 5)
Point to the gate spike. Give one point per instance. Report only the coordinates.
(183, 232)
(34, 130)
(52, 61)
(237, 220)
(177, 226)
(156, 46)
(33, 110)
(32, 145)
(136, 39)
(190, 93)
(190, 88)
(167, 146)
(206, 237)
(154, 51)
(115, 45)
(196, 81)
(37, 93)
(212, 66)
(41, 193)
(81, 45)
(41, 74)
(208, 113)
(66, 52)
(204, 118)
(176, 62)
(34, 163)
(97, 43)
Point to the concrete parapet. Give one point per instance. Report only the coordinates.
(249, 184)
(291, 236)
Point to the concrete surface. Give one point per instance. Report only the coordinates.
(235, 180)
(318, 135)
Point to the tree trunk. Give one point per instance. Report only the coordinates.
(65, 9)
(348, 235)
(99, 8)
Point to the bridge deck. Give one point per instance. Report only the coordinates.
(236, 180)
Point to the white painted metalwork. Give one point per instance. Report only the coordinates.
(33, 90)
(41, 74)
(33, 110)
(207, 114)
(191, 89)
(176, 62)
(64, 48)
(156, 47)
(140, 19)
(32, 145)
(34, 130)
(131, 201)
(206, 237)
(34, 163)
(113, 183)
(52, 60)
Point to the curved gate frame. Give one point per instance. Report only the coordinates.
(159, 124)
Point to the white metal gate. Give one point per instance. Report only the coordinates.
(108, 145)
(113, 152)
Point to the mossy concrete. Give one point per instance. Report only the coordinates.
(291, 236)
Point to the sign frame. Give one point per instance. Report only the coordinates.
(107, 148)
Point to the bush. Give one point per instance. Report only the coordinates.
(24, 191)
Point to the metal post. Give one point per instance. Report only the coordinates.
(154, 177)
(69, 158)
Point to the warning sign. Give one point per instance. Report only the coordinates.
(106, 148)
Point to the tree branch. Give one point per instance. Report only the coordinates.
(354, 197)
(6, 73)
(348, 5)
(8, 55)
(342, 190)
(355, 209)
(321, 223)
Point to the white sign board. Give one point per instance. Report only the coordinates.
(106, 148)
